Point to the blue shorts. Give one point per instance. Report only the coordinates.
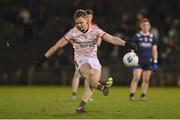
(144, 66)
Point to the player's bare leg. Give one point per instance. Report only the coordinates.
(87, 72)
(92, 76)
(75, 84)
(134, 83)
(88, 89)
(145, 83)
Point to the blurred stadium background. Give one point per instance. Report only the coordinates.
(30, 27)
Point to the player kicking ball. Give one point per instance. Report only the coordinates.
(148, 55)
(83, 38)
(77, 76)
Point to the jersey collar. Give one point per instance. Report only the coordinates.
(142, 33)
(89, 28)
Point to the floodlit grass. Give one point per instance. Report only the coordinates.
(55, 102)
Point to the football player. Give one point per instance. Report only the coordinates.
(148, 58)
(83, 38)
(77, 76)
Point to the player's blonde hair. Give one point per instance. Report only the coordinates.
(80, 13)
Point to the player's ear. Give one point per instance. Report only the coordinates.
(149, 25)
(87, 20)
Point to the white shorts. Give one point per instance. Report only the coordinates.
(93, 62)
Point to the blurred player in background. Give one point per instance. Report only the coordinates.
(77, 76)
(148, 58)
(83, 38)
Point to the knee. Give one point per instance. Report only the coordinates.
(91, 75)
(88, 75)
(146, 80)
(89, 87)
(77, 75)
(136, 79)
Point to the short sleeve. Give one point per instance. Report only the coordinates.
(99, 32)
(154, 42)
(69, 35)
(134, 39)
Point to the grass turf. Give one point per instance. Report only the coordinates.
(55, 102)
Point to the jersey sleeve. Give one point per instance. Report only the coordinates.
(69, 35)
(99, 32)
(154, 42)
(134, 39)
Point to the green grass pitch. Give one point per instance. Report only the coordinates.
(55, 102)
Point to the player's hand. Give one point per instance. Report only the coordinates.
(131, 46)
(40, 61)
(154, 67)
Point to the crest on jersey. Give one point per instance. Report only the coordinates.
(145, 39)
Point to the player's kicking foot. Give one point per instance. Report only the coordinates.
(108, 84)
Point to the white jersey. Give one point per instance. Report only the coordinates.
(84, 44)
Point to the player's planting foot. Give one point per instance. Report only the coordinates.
(107, 85)
(81, 109)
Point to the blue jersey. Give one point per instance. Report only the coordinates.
(144, 46)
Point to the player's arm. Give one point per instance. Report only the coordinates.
(155, 58)
(99, 40)
(118, 41)
(154, 53)
(61, 43)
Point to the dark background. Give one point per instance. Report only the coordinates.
(28, 28)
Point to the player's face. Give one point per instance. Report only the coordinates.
(90, 17)
(145, 27)
(81, 23)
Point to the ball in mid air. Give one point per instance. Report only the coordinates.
(130, 59)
